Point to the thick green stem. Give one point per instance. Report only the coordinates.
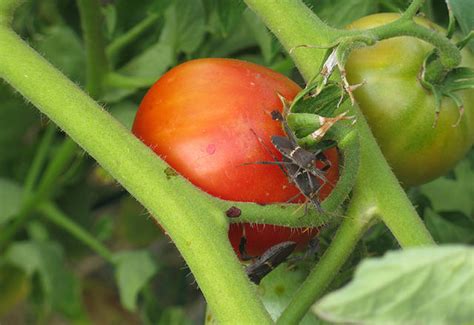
(303, 28)
(53, 214)
(359, 217)
(412, 9)
(7, 8)
(450, 55)
(130, 36)
(378, 182)
(97, 65)
(196, 225)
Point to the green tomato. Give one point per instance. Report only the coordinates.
(401, 112)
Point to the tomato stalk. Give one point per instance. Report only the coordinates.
(292, 215)
(96, 60)
(196, 225)
(283, 17)
(44, 189)
(7, 9)
(449, 54)
(360, 216)
(38, 160)
(51, 212)
(377, 192)
(131, 35)
(412, 9)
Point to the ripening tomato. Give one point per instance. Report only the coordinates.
(205, 118)
(401, 112)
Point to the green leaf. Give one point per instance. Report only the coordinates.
(133, 271)
(184, 26)
(150, 64)
(463, 10)
(277, 289)
(158, 7)
(59, 287)
(237, 41)
(429, 285)
(103, 228)
(109, 12)
(16, 119)
(145, 68)
(452, 194)
(267, 43)
(175, 316)
(324, 104)
(229, 13)
(37, 230)
(340, 13)
(62, 47)
(10, 199)
(444, 231)
(132, 227)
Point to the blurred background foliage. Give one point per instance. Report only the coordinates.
(49, 272)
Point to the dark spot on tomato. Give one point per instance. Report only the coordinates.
(211, 149)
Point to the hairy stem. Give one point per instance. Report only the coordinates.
(412, 9)
(377, 181)
(375, 176)
(293, 31)
(53, 214)
(359, 217)
(7, 8)
(196, 225)
(376, 185)
(450, 55)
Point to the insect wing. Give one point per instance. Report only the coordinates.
(283, 145)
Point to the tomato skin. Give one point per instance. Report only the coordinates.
(205, 118)
(401, 112)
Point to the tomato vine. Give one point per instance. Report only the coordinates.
(194, 220)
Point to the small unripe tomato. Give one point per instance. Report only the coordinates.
(401, 112)
(205, 118)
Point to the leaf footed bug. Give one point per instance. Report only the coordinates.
(269, 260)
(307, 181)
(300, 164)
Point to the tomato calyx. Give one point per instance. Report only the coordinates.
(442, 83)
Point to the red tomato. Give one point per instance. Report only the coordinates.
(204, 118)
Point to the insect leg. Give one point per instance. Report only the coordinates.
(244, 256)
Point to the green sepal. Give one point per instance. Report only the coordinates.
(448, 82)
(324, 104)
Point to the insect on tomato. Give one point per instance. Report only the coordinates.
(202, 118)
